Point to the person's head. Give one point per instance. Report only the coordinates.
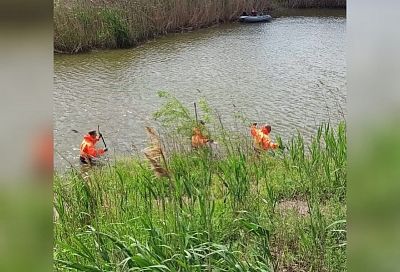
(93, 133)
(254, 124)
(266, 129)
(202, 122)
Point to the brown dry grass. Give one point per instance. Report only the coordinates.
(86, 24)
(81, 25)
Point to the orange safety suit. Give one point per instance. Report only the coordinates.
(257, 136)
(253, 130)
(266, 142)
(261, 138)
(87, 148)
(198, 139)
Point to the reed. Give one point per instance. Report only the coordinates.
(81, 25)
(226, 211)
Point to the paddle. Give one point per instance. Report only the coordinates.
(98, 130)
(195, 112)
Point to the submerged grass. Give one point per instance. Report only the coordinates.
(81, 25)
(218, 210)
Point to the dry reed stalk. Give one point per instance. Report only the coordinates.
(155, 155)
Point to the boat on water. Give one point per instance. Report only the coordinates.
(255, 19)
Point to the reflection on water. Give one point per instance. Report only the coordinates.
(290, 73)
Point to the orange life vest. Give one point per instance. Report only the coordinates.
(198, 139)
(257, 135)
(261, 138)
(267, 143)
(253, 130)
(87, 148)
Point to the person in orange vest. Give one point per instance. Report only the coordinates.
(261, 137)
(198, 139)
(257, 136)
(256, 132)
(87, 149)
(265, 140)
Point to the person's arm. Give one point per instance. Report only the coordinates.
(269, 144)
(266, 142)
(206, 140)
(93, 152)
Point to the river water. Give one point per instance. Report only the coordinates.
(290, 73)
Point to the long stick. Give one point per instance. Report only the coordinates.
(195, 112)
(98, 129)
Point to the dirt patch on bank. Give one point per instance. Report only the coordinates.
(296, 205)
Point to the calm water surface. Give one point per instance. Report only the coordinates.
(290, 73)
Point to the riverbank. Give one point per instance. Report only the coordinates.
(238, 212)
(229, 209)
(81, 26)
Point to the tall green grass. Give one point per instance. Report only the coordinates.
(220, 210)
(80, 25)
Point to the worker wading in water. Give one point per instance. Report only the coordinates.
(88, 150)
(198, 138)
(261, 137)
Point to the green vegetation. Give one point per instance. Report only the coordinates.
(80, 25)
(224, 209)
